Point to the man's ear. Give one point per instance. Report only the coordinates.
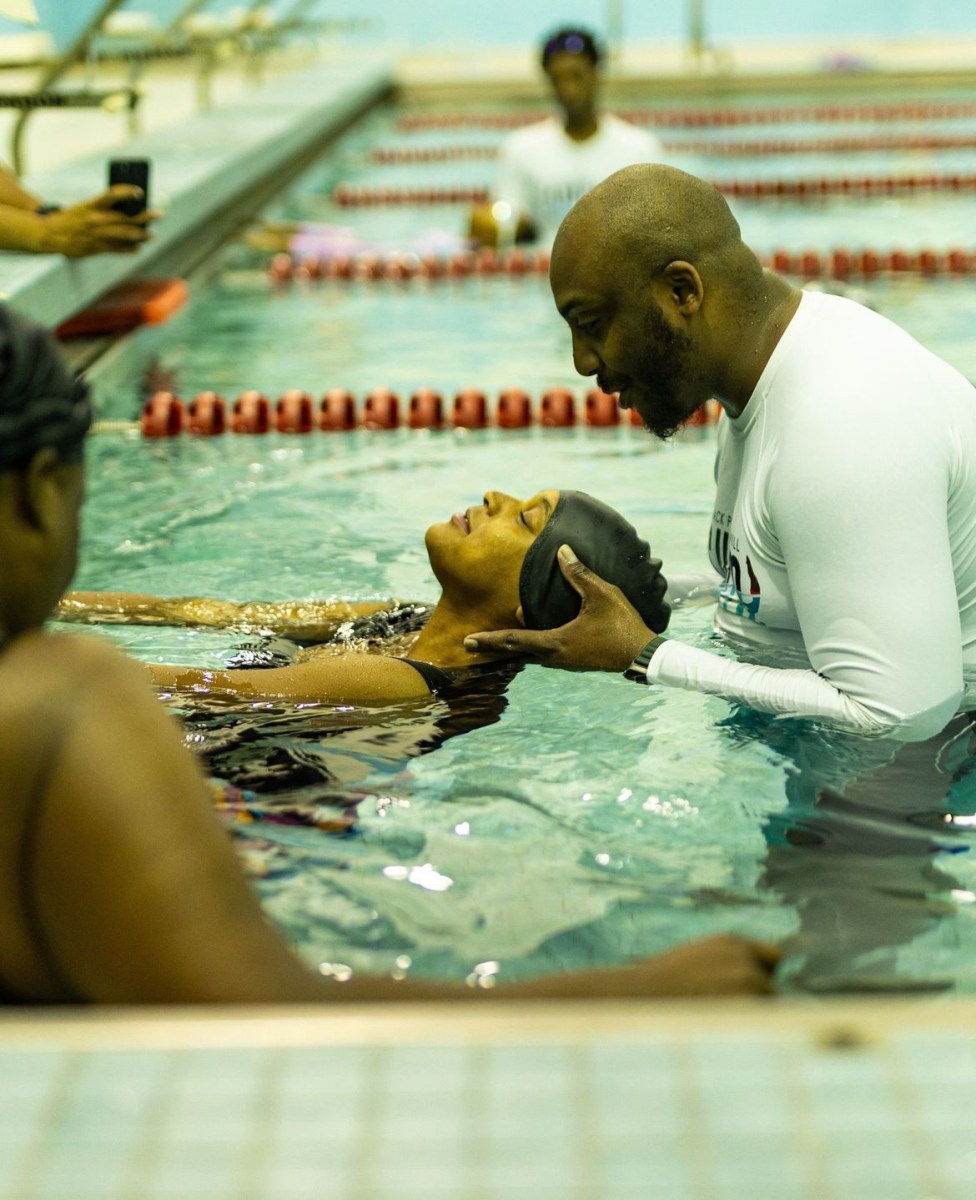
(685, 286)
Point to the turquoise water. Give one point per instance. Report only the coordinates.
(593, 821)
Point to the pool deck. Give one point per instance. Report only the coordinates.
(731, 1100)
(208, 173)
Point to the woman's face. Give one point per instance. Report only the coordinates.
(39, 540)
(477, 555)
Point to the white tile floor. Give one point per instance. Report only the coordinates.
(608, 1102)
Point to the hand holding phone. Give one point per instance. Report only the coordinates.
(132, 171)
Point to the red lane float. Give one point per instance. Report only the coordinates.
(869, 263)
(207, 414)
(337, 411)
(601, 408)
(295, 412)
(281, 269)
(558, 408)
(514, 409)
(426, 410)
(251, 413)
(381, 410)
(163, 416)
(470, 410)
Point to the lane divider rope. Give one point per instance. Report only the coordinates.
(697, 118)
(752, 148)
(403, 266)
(347, 195)
(166, 415)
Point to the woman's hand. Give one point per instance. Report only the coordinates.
(95, 226)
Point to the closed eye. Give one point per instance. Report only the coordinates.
(588, 328)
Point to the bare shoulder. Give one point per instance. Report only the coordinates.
(43, 673)
(40, 659)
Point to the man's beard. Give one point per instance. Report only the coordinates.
(666, 364)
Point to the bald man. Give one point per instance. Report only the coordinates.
(843, 536)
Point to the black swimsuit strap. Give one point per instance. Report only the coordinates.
(436, 679)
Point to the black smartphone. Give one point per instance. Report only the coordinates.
(130, 170)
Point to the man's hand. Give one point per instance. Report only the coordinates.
(95, 227)
(607, 635)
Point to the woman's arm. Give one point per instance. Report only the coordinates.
(13, 192)
(348, 678)
(303, 620)
(167, 916)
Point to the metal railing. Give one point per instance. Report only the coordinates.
(251, 38)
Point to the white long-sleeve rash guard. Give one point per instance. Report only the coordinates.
(845, 527)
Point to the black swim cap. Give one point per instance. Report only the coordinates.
(41, 403)
(571, 41)
(608, 545)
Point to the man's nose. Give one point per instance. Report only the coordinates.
(585, 359)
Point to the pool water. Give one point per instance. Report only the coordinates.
(593, 820)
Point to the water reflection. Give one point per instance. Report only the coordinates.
(864, 853)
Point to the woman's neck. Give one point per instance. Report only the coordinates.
(441, 641)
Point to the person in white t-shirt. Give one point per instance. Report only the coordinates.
(546, 167)
(843, 536)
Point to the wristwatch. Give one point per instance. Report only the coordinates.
(637, 671)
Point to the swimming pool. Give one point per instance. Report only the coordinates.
(592, 821)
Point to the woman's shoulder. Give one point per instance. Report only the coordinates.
(49, 649)
(40, 667)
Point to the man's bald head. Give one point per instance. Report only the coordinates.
(648, 215)
(666, 304)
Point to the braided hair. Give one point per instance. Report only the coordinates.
(41, 403)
